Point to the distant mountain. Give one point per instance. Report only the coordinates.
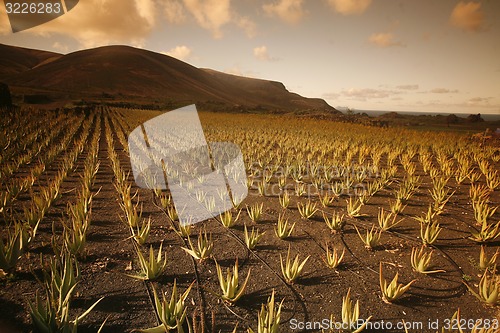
(128, 73)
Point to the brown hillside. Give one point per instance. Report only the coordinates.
(15, 60)
(129, 72)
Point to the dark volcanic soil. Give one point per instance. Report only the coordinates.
(127, 303)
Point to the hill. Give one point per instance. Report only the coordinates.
(128, 74)
(16, 60)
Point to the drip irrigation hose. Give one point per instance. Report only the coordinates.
(195, 266)
(294, 292)
(146, 285)
(413, 239)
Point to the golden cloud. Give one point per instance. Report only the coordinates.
(467, 16)
(384, 39)
(174, 12)
(261, 53)
(290, 11)
(210, 14)
(444, 91)
(181, 52)
(350, 7)
(100, 22)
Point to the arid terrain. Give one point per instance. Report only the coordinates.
(301, 158)
(402, 218)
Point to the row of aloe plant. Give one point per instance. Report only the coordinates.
(22, 229)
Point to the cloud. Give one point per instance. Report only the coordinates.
(487, 103)
(290, 11)
(479, 101)
(262, 54)
(368, 93)
(180, 52)
(350, 7)
(214, 14)
(408, 87)
(210, 14)
(361, 94)
(102, 22)
(444, 91)
(174, 12)
(146, 9)
(467, 16)
(384, 39)
(247, 25)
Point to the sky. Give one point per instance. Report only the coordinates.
(408, 55)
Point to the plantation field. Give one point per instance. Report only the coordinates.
(358, 205)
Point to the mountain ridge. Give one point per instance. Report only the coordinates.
(127, 73)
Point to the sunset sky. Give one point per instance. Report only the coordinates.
(426, 55)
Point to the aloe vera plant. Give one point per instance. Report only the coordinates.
(255, 212)
(405, 191)
(482, 211)
(307, 210)
(492, 179)
(371, 239)
(396, 206)
(485, 262)
(204, 247)
(332, 258)
(488, 289)
(75, 237)
(52, 315)
(284, 200)
(141, 233)
(354, 208)
(387, 221)
(292, 269)
(300, 189)
(183, 229)
(46, 319)
(430, 232)
(227, 220)
(165, 200)
(420, 261)
(282, 182)
(283, 230)
(153, 267)
(12, 250)
(252, 238)
(171, 314)
(232, 290)
(429, 216)
(487, 233)
(268, 319)
(133, 213)
(336, 223)
(262, 188)
(392, 291)
(172, 213)
(327, 199)
(479, 193)
(350, 314)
